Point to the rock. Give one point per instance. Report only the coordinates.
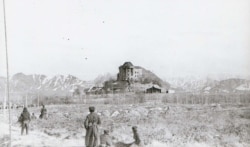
(134, 113)
(106, 113)
(114, 114)
(167, 108)
(142, 111)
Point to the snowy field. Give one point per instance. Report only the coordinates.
(159, 125)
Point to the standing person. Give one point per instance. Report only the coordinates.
(24, 119)
(43, 113)
(105, 139)
(33, 116)
(136, 136)
(91, 125)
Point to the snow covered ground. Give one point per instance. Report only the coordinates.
(159, 125)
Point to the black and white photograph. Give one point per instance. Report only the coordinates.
(124, 73)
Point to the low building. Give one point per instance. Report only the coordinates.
(154, 89)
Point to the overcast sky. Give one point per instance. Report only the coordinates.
(87, 38)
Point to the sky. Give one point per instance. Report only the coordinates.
(87, 38)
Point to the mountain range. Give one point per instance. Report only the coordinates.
(21, 83)
(66, 84)
(227, 86)
(209, 85)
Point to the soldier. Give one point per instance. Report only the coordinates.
(91, 125)
(137, 139)
(24, 119)
(43, 112)
(105, 139)
(33, 116)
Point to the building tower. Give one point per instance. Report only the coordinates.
(129, 72)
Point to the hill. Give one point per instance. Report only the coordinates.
(144, 81)
(149, 77)
(228, 86)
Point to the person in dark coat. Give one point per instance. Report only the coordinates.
(24, 119)
(91, 125)
(43, 113)
(105, 139)
(136, 137)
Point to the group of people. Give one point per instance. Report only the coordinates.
(91, 124)
(25, 118)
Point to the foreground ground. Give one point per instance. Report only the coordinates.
(159, 125)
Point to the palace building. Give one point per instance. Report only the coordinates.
(129, 72)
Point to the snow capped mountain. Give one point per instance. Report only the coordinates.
(190, 84)
(209, 85)
(231, 85)
(60, 82)
(243, 87)
(22, 83)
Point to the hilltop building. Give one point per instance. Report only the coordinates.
(129, 72)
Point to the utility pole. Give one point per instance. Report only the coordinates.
(26, 100)
(4, 101)
(7, 70)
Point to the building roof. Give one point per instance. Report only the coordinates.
(155, 86)
(137, 67)
(127, 65)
